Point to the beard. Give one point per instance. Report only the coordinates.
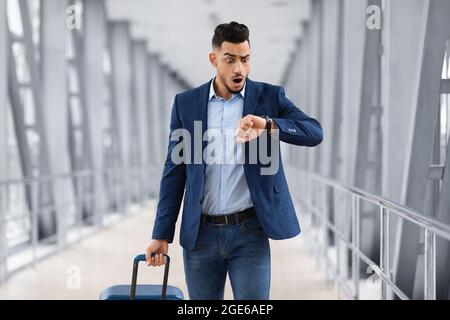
(222, 78)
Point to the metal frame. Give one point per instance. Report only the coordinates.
(312, 185)
(94, 42)
(155, 159)
(87, 177)
(367, 171)
(305, 89)
(120, 50)
(139, 150)
(79, 138)
(401, 52)
(46, 197)
(80, 230)
(435, 34)
(154, 85)
(442, 210)
(53, 69)
(317, 44)
(3, 147)
(335, 161)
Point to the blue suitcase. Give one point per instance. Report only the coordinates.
(143, 291)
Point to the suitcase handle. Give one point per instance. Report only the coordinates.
(136, 261)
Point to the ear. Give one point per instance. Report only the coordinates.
(213, 59)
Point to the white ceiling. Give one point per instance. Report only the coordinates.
(181, 31)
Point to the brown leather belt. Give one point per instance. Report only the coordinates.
(232, 218)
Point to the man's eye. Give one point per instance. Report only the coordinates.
(229, 61)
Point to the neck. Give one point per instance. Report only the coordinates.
(220, 89)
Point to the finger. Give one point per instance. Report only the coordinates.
(148, 257)
(240, 133)
(253, 134)
(250, 135)
(242, 139)
(159, 259)
(249, 120)
(247, 124)
(244, 135)
(243, 121)
(248, 132)
(245, 139)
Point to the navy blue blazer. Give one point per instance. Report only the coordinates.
(269, 193)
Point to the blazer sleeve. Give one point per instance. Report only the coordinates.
(171, 187)
(296, 127)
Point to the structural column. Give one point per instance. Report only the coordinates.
(142, 110)
(94, 23)
(403, 22)
(54, 103)
(434, 36)
(354, 29)
(3, 147)
(154, 141)
(316, 47)
(121, 83)
(155, 110)
(163, 107)
(3, 91)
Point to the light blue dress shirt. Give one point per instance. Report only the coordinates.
(226, 189)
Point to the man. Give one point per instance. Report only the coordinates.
(230, 209)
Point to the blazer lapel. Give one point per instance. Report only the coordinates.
(203, 111)
(252, 92)
(251, 97)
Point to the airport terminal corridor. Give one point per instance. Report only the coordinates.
(88, 107)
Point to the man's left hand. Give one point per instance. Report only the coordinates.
(250, 127)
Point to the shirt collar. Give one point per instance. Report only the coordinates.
(212, 92)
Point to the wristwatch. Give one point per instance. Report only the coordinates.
(269, 122)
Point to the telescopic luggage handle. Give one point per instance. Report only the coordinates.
(136, 261)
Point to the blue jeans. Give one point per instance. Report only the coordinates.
(242, 250)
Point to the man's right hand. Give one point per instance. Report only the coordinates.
(159, 247)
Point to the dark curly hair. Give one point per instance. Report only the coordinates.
(232, 32)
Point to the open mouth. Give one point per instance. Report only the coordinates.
(238, 80)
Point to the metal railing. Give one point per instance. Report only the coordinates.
(311, 192)
(81, 207)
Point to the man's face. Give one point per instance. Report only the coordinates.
(232, 62)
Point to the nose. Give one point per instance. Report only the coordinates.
(238, 68)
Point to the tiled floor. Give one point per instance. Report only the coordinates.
(104, 259)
